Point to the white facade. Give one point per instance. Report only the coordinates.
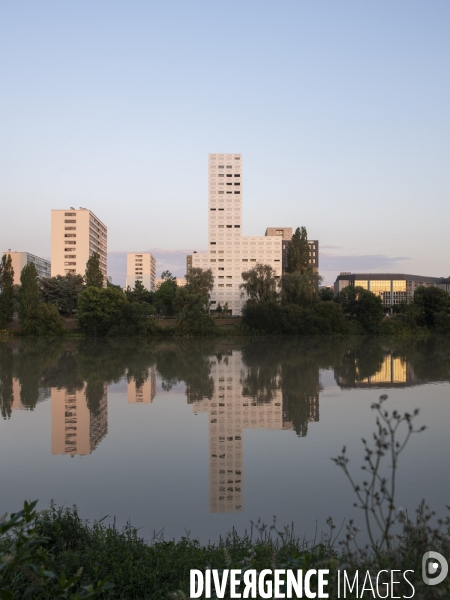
(20, 260)
(76, 235)
(180, 281)
(141, 267)
(229, 253)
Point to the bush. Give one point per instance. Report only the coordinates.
(43, 321)
(324, 318)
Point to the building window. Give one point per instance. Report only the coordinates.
(237, 192)
(221, 285)
(212, 243)
(237, 226)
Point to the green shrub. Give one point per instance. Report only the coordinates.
(43, 321)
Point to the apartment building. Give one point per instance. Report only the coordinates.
(76, 235)
(393, 288)
(230, 253)
(20, 260)
(142, 268)
(286, 235)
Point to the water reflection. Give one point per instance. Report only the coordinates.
(273, 385)
(75, 428)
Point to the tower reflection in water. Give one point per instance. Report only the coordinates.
(230, 412)
(142, 390)
(77, 429)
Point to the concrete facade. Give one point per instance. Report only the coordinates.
(22, 259)
(230, 253)
(180, 281)
(76, 235)
(141, 267)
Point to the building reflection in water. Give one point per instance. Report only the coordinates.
(76, 430)
(142, 390)
(229, 414)
(394, 371)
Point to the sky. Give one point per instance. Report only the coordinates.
(340, 109)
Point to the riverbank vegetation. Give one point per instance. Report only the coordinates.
(56, 554)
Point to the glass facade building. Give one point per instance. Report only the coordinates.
(393, 288)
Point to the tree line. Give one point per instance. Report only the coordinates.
(42, 304)
(293, 304)
(290, 304)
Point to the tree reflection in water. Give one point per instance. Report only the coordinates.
(277, 370)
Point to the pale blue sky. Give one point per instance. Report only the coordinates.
(340, 109)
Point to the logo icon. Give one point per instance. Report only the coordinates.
(434, 568)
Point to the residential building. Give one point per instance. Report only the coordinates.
(229, 253)
(286, 234)
(181, 281)
(22, 259)
(393, 288)
(76, 235)
(75, 429)
(141, 267)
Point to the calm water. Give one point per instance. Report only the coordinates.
(205, 435)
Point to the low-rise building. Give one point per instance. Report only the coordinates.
(142, 268)
(22, 259)
(393, 288)
(180, 281)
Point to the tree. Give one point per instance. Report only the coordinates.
(299, 288)
(62, 291)
(93, 276)
(362, 306)
(199, 281)
(192, 312)
(219, 308)
(139, 293)
(165, 296)
(167, 276)
(99, 309)
(260, 284)
(6, 291)
(432, 301)
(29, 292)
(298, 252)
(326, 294)
(44, 321)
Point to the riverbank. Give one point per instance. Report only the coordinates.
(119, 564)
